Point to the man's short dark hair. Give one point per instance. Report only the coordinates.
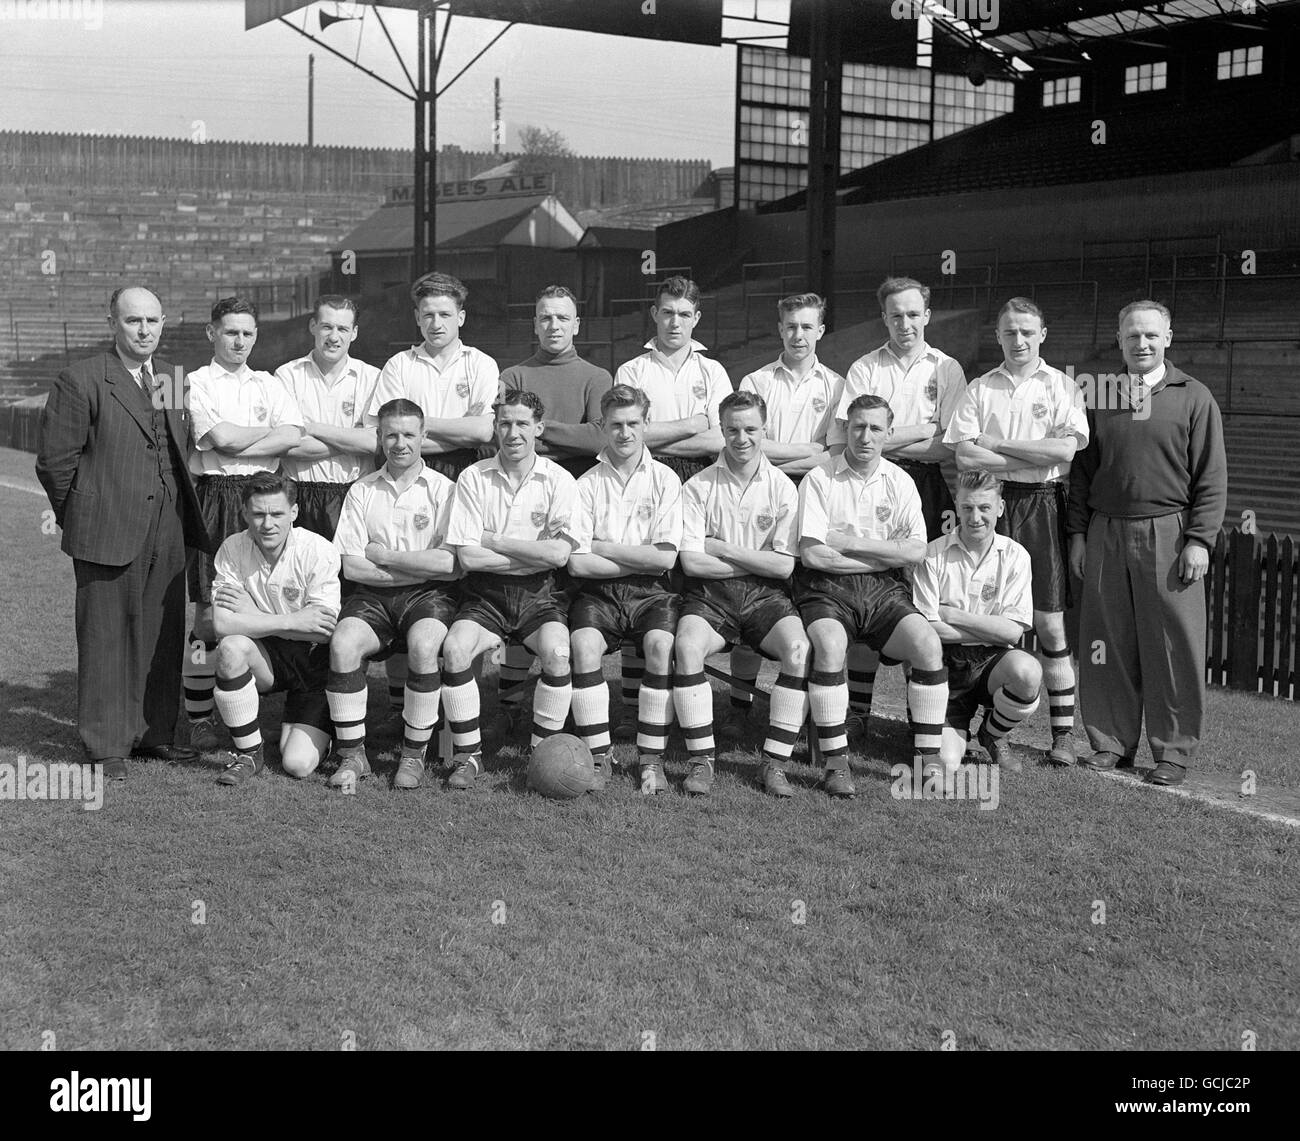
(335, 301)
(1021, 305)
(865, 403)
(624, 396)
(440, 285)
(228, 305)
(400, 407)
(112, 301)
(270, 483)
(556, 291)
(979, 481)
(742, 401)
(892, 285)
(679, 286)
(519, 397)
(797, 301)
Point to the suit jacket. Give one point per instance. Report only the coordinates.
(98, 466)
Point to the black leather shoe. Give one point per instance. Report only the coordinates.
(1104, 762)
(1167, 773)
(114, 768)
(174, 753)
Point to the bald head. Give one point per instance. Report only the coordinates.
(136, 318)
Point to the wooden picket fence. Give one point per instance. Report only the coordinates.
(1250, 598)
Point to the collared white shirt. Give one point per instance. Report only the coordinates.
(466, 386)
(134, 370)
(1039, 407)
(644, 510)
(700, 385)
(341, 404)
(759, 514)
(305, 574)
(246, 399)
(542, 507)
(885, 505)
(924, 392)
(411, 519)
(799, 411)
(996, 584)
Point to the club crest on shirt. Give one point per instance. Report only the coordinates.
(291, 594)
(538, 518)
(764, 520)
(819, 404)
(462, 389)
(645, 508)
(932, 391)
(1040, 411)
(421, 519)
(259, 413)
(883, 512)
(988, 592)
(699, 390)
(349, 409)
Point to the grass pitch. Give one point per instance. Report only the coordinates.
(187, 915)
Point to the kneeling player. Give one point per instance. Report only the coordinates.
(860, 523)
(512, 527)
(391, 537)
(738, 549)
(275, 598)
(974, 587)
(628, 527)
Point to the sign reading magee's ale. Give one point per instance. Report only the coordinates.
(468, 189)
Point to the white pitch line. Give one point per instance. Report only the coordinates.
(27, 487)
(1205, 798)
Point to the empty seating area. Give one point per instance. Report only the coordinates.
(63, 251)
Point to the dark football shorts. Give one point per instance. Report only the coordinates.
(513, 606)
(742, 609)
(683, 466)
(936, 497)
(299, 670)
(221, 503)
(319, 507)
(625, 609)
(968, 681)
(1035, 518)
(869, 606)
(452, 463)
(391, 611)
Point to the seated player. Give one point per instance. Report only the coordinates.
(860, 524)
(628, 528)
(974, 587)
(392, 539)
(275, 599)
(738, 549)
(1024, 421)
(512, 527)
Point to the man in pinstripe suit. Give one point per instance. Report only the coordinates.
(114, 444)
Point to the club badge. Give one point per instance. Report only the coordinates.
(644, 510)
(1040, 411)
(932, 391)
(819, 404)
(538, 519)
(462, 389)
(349, 409)
(291, 594)
(699, 390)
(422, 519)
(764, 520)
(988, 592)
(883, 512)
(259, 413)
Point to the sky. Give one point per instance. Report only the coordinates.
(158, 67)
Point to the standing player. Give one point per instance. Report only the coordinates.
(860, 524)
(922, 385)
(1023, 421)
(685, 389)
(392, 539)
(974, 587)
(332, 390)
(243, 422)
(453, 384)
(570, 388)
(738, 549)
(512, 527)
(627, 529)
(802, 396)
(275, 602)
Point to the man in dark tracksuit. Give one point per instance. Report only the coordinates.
(1147, 498)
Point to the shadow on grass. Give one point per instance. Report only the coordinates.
(41, 721)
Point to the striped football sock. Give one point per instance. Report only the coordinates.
(591, 710)
(788, 712)
(237, 703)
(828, 698)
(1009, 709)
(551, 701)
(346, 693)
(693, 699)
(420, 710)
(1058, 677)
(654, 701)
(863, 664)
(927, 703)
(460, 700)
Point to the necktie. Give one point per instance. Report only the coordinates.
(146, 380)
